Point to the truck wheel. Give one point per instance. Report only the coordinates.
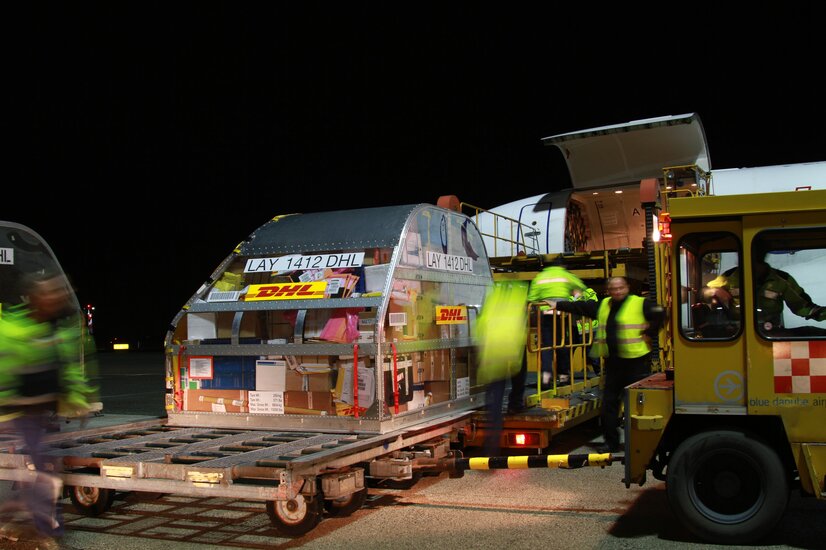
(91, 501)
(295, 517)
(344, 506)
(726, 487)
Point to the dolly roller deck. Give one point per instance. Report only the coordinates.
(255, 464)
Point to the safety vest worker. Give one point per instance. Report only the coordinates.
(554, 283)
(42, 364)
(631, 324)
(588, 294)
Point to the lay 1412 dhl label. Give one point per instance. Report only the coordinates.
(451, 315)
(287, 291)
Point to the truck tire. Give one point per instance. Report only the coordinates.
(91, 501)
(297, 516)
(727, 487)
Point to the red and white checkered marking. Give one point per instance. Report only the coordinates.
(800, 367)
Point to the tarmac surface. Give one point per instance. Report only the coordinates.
(514, 509)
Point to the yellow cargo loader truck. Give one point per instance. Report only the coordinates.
(732, 416)
(736, 419)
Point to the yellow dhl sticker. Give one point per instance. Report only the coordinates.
(451, 315)
(287, 291)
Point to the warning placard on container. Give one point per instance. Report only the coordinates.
(266, 402)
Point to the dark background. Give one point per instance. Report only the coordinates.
(148, 139)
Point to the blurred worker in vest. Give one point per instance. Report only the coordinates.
(586, 327)
(554, 283)
(774, 288)
(42, 341)
(627, 322)
(501, 332)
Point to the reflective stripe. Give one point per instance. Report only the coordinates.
(554, 280)
(630, 341)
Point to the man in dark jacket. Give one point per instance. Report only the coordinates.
(626, 323)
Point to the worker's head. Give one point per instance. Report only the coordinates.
(48, 295)
(617, 288)
(559, 261)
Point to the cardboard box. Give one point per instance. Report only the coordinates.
(417, 360)
(439, 365)
(230, 401)
(367, 321)
(305, 363)
(437, 391)
(281, 330)
(375, 277)
(419, 398)
(297, 402)
(318, 381)
(314, 322)
(366, 383)
(426, 326)
(402, 322)
(345, 409)
(270, 375)
(462, 358)
(249, 325)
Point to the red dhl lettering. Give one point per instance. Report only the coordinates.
(452, 314)
(286, 291)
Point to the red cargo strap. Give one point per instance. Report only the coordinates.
(395, 380)
(179, 393)
(356, 379)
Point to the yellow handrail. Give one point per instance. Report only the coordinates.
(517, 243)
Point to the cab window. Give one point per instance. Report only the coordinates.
(709, 293)
(788, 286)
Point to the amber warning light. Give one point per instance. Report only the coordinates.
(524, 439)
(663, 226)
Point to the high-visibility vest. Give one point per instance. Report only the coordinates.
(588, 294)
(501, 331)
(554, 282)
(631, 324)
(27, 346)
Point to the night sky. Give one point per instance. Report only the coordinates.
(149, 139)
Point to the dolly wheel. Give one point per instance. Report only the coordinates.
(296, 516)
(91, 501)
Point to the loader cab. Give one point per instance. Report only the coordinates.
(749, 272)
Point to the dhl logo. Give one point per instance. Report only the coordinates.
(287, 291)
(451, 315)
